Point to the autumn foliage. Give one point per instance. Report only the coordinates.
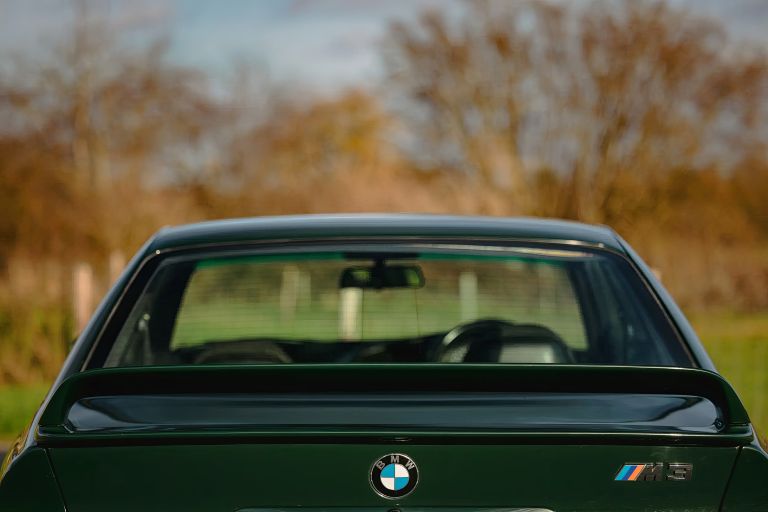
(631, 113)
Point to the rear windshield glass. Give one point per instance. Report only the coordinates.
(520, 305)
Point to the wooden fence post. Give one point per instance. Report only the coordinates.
(289, 293)
(350, 313)
(82, 298)
(468, 296)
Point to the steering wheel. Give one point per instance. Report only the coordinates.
(459, 341)
(498, 341)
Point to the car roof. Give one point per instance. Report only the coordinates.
(381, 225)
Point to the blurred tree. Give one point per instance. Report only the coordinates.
(303, 141)
(298, 147)
(604, 100)
(93, 134)
(471, 87)
(632, 113)
(659, 89)
(750, 181)
(119, 122)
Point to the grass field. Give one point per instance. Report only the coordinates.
(738, 343)
(17, 406)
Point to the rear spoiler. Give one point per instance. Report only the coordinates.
(604, 404)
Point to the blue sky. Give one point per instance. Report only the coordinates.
(322, 43)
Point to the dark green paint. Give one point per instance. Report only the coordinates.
(31, 486)
(364, 378)
(223, 478)
(466, 411)
(748, 491)
(241, 468)
(302, 227)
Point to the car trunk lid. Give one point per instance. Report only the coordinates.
(482, 437)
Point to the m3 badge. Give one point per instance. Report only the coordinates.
(654, 472)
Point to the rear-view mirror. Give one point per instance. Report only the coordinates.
(382, 276)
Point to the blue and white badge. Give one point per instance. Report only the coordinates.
(394, 476)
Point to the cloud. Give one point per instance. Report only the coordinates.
(744, 19)
(320, 41)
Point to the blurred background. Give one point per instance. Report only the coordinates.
(120, 117)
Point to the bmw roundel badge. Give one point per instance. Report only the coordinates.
(394, 476)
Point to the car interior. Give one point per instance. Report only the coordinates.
(618, 328)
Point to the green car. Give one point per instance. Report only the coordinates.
(387, 363)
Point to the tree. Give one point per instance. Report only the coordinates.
(590, 106)
(470, 88)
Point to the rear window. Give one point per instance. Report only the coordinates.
(302, 300)
(524, 305)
